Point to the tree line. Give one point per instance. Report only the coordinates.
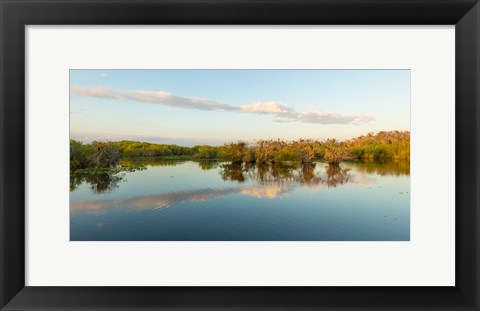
(394, 145)
(380, 146)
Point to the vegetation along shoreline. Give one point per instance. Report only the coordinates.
(385, 145)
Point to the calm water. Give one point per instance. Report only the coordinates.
(209, 201)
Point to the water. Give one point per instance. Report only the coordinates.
(210, 201)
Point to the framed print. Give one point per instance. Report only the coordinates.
(239, 155)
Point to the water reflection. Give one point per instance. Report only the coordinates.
(174, 197)
(330, 175)
(320, 174)
(149, 162)
(271, 181)
(385, 168)
(107, 182)
(207, 165)
(337, 175)
(212, 201)
(233, 172)
(99, 183)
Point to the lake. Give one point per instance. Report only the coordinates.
(211, 201)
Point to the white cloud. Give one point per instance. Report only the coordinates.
(334, 118)
(171, 100)
(269, 107)
(152, 97)
(96, 91)
(277, 109)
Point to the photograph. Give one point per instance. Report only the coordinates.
(239, 154)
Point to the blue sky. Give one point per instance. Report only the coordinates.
(190, 107)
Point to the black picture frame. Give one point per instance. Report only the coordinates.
(16, 14)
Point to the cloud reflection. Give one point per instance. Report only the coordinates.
(175, 197)
(258, 181)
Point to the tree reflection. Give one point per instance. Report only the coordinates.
(393, 168)
(99, 183)
(279, 173)
(283, 171)
(336, 175)
(207, 165)
(149, 162)
(232, 172)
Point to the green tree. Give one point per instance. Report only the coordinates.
(79, 155)
(206, 152)
(104, 154)
(233, 152)
(335, 152)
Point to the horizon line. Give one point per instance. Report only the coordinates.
(226, 142)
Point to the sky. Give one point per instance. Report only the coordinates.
(193, 107)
